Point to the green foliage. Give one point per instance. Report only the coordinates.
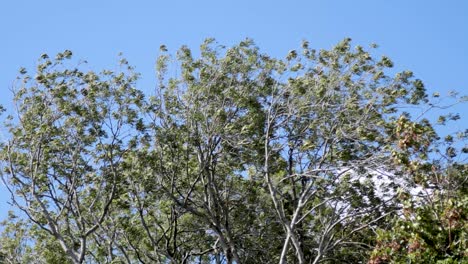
(67, 139)
(238, 158)
(431, 228)
(14, 241)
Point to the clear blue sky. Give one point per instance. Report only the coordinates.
(428, 37)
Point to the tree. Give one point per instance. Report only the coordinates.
(308, 128)
(240, 158)
(431, 227)
(67, 142)
(14, 241)
(329, 128)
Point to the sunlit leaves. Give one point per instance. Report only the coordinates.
(236, 157)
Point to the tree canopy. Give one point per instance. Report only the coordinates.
(324, 156)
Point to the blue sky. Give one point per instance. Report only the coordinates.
(428, 37)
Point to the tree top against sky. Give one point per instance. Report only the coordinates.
(427, 37)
